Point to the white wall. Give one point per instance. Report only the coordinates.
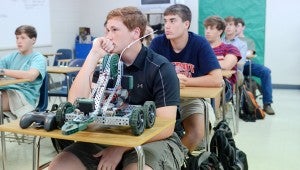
(65, 20)
(282, 30)
(282, 53)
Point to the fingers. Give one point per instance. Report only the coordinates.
(107, 45)
(102, 44)
(182, 80)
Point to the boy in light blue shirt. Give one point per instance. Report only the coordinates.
(24, 64)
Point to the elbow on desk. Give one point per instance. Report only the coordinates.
(218, 83)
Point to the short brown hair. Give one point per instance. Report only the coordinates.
(29, 30)
(240, 20)
(215, 21)
(231, 19)
(132, 17)
(181, 10)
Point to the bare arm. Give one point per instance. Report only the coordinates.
(31, 74)
(167, 112)
(228, 62)
(212, 79)
(81, 86)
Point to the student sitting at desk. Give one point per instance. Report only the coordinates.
(21, 98)
(227, 54)
(154, 80)
(257, 70)
(195, 64)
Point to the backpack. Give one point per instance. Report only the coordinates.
(204, 161)
(251, 109)
(223, 145)
(253, 86)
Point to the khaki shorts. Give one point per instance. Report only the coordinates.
(18, 104)
(189, 106)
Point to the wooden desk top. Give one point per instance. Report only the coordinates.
(118, 136)
(5, 82)
(62, 70)
(200, 92)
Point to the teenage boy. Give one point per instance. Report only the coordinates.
(25, 63)
(257, 70)
(195, 64)
(231, 38)
(154, 80)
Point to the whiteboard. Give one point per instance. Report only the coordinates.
(14, 13)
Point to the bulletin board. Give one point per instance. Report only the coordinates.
(14, 13)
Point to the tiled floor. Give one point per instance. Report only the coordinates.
(272, 143)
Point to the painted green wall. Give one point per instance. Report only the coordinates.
(253, 12)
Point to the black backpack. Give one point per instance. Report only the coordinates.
(223, 145)
(204, 161)
(250, 108)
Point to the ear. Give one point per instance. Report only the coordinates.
(187, 24)
(136, 33)
(33, 40)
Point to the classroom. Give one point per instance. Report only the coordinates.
(271, 143)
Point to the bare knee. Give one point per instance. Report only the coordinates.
(133, 166)
(194, 131)
(66, 161)
(5, 101)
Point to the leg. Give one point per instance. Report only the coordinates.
(264, 74)
(164, 154)
(79, 155)
(192, 114)
(194, 131)
(66, 160)
(5, 103)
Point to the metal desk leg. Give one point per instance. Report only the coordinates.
(238, 106)
(36, 152)
(223, 100)
(3, 147)
(141, 157)
(206, 126)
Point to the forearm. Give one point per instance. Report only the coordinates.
(31, 74)
(213, 79)
(169, 113)
(81, 87)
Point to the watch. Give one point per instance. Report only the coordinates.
(2, 72)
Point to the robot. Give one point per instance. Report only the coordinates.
(107, 104)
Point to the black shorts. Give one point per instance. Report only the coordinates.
(164, 154)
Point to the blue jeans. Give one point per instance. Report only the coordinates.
(264, 74)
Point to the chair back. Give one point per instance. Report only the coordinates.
(43, 101)
(78, 62)
(62, 54)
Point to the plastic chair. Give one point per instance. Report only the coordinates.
(42, 106)
(43, 100)
(63, 90)
(63, 54)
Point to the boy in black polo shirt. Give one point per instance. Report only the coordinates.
(154, 79)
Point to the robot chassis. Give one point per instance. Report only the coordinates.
(107, 104)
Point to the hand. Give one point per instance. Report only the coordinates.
(110, 157)
(182, 80)
(102, 46)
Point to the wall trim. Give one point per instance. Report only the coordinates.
(285, 86)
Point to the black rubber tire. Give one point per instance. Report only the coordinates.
(150, 111)
(137, 121)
